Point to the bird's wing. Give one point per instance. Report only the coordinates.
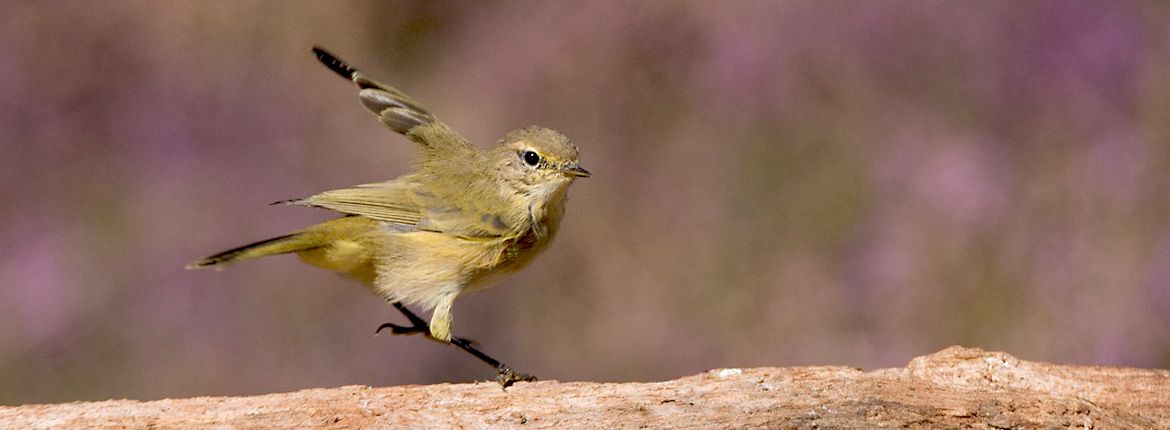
(409, 206)
(396, 110)
(468, 215)
(393, 201)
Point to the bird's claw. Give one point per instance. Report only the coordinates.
(506, 377)
(401, 329)
(409, 330)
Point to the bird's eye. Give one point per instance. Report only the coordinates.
(531, 158)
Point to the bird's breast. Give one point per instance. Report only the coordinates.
(541, 226)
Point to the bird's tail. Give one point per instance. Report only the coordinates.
(278, 245)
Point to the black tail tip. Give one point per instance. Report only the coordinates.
(333, 63)
(286, 202)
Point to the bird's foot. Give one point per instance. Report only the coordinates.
(506, 377)
(504, 374)
(402, 329)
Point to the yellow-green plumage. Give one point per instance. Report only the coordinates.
(462, 219)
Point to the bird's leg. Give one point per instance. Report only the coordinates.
(417, 325)
(504, 374)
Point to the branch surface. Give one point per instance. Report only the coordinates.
(954, 388)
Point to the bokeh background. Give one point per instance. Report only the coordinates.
(775, 184)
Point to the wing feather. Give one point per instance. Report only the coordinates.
(390, 201)
(396, 110)
(407, 203)
(410, 207)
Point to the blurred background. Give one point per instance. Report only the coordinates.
(775, 184)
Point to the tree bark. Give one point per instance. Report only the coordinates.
(954, 388)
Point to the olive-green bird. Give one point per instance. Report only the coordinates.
(462, 219)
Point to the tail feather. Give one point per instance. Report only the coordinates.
(277, 245)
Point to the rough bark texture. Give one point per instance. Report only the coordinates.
(954, 388)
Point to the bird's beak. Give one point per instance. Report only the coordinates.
(576, 170)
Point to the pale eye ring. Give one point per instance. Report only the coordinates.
(531, 158)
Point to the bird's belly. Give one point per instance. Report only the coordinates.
(421, 267)
(347, 257)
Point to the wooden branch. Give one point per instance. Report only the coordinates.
(954, 388)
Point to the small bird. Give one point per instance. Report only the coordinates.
(465, 216)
